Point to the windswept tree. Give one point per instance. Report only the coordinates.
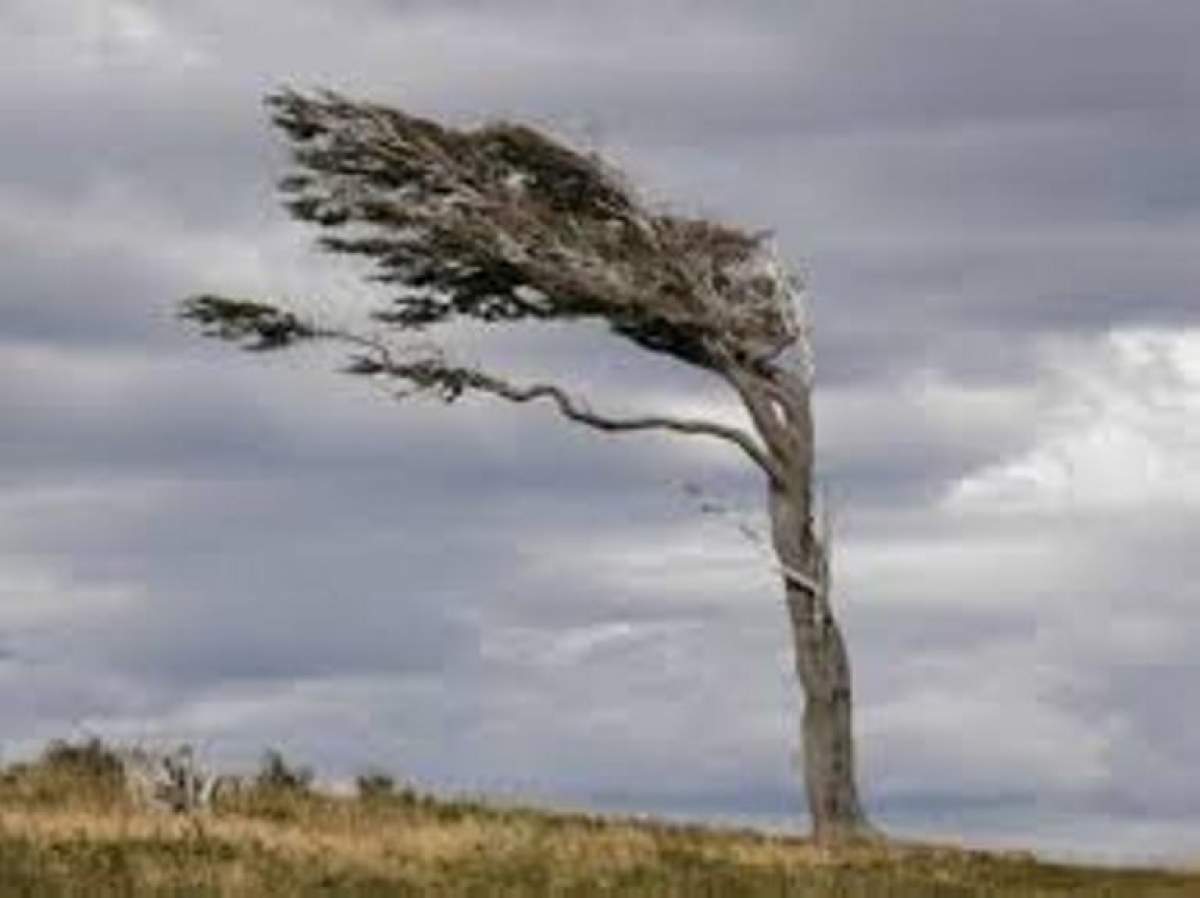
(503, 225)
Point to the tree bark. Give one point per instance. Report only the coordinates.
(779, 404)
(823, 671)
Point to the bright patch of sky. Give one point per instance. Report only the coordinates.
(1121, 429)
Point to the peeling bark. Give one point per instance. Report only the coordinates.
(823, 671)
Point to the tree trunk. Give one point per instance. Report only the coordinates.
(828, 737)
(823, 669)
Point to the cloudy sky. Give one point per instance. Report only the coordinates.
(996, 207)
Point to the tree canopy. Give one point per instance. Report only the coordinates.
(503, 224)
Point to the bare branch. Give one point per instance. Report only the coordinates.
(259, 326)
(572, 409)
(431, 372)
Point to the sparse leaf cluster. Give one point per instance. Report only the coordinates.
(255, 325)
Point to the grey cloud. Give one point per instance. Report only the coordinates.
(962, 196)
(89, 298)
(202, 160)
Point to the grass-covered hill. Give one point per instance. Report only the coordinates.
(67, 828)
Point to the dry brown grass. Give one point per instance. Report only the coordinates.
(64, 838)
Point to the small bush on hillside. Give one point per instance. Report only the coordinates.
(375, 784)
(68, 773)
(90, 760)
(275, 774)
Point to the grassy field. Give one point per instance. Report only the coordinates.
(66, 829)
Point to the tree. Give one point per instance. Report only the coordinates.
(502, 225)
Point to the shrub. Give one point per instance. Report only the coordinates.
(375, 784)
(87, 772)
(276, 774)
(91, 760)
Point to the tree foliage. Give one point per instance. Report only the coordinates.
(503, 224)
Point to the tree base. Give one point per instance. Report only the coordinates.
(850, 834)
